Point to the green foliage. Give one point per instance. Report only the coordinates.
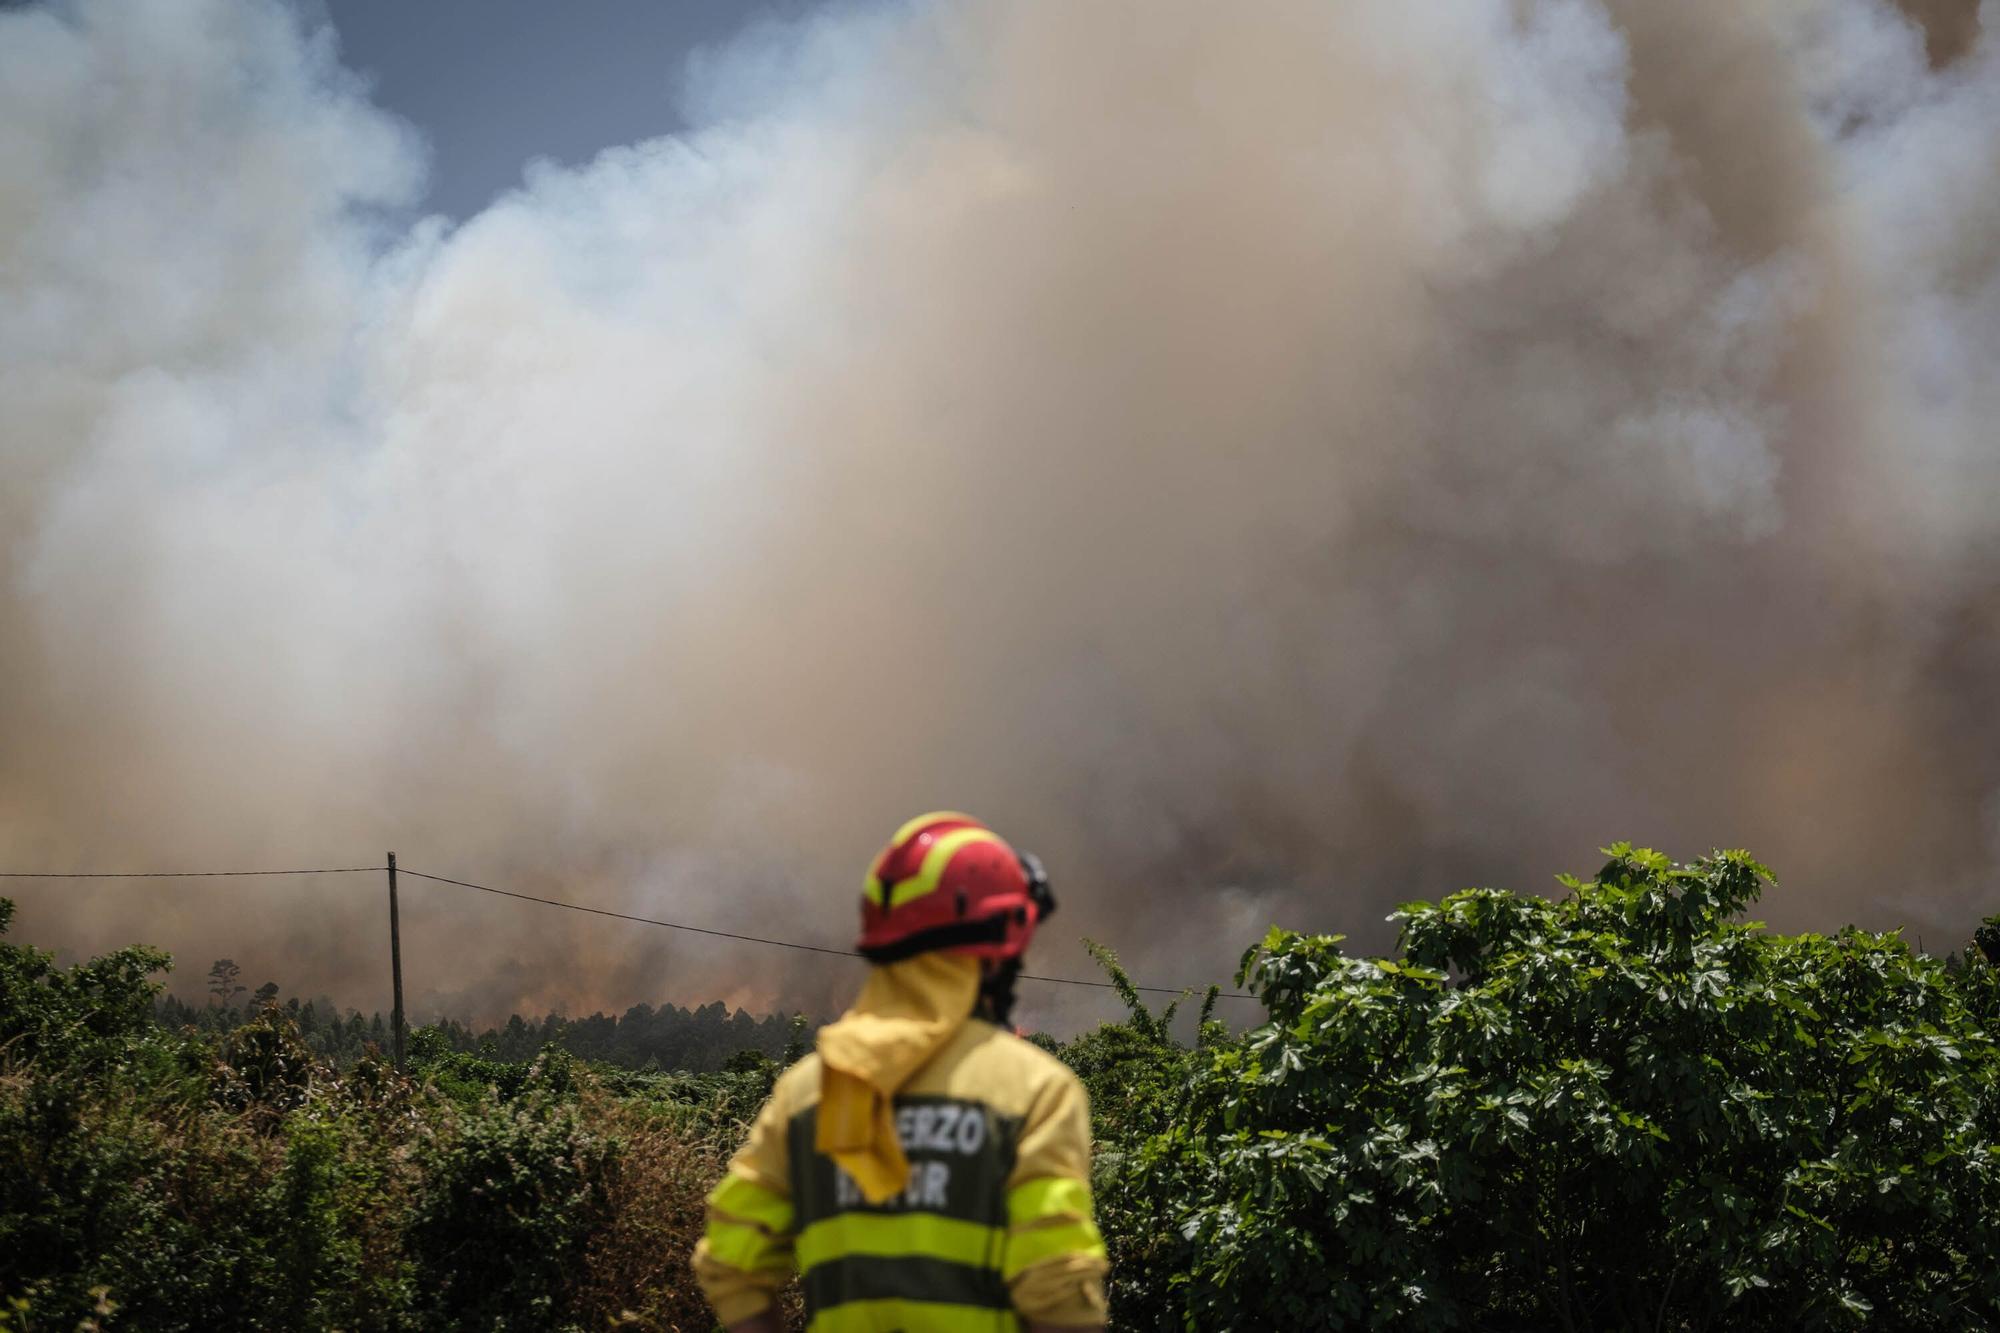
(1136, 1075)
(262, 1070)
(752, 1062)
(180, 1180)
(1987, 938)
(87, 1017)
(1624, 1109)
(642, 1038)
(470, 1079)
(511, 1196)
(797, 1042)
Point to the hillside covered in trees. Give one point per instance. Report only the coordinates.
(669, 1037)
(1627, 1108)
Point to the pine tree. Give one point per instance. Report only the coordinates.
(222, 983)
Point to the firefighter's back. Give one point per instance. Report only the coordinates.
(924, 1169)
(997, 1135)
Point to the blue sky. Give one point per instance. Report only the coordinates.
(493, 84)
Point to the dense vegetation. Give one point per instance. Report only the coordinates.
(1624, 1109)
(161, 1179)
(699, 1040)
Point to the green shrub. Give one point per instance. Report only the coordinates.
(263, 1071)
(221, 1178)
(1624, 1109)
(86, 1017)
(511, 1196)
(1136, 1075)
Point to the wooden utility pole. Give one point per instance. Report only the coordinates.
(396, 962)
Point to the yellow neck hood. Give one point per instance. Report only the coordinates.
(905, 1013)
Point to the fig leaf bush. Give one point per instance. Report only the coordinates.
(1624, 1109)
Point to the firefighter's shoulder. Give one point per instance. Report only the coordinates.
(992, 1065)
(798, 1086)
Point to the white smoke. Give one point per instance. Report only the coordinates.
(1273, 460)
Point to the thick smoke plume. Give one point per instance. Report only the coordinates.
(1273, 460)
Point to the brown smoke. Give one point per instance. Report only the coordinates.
(1274, 461)
(1951, 27)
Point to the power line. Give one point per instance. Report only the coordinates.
(626, 916)
(184, 874)
(557, 902)
(758, 939)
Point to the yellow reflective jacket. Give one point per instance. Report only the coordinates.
(993, 1225)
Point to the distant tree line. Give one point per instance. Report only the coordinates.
(669, 1037)
(700, 1040)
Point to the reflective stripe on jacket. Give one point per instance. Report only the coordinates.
(994, 1226)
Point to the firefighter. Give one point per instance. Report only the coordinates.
(924, 1169)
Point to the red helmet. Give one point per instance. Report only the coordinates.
(946, 881)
